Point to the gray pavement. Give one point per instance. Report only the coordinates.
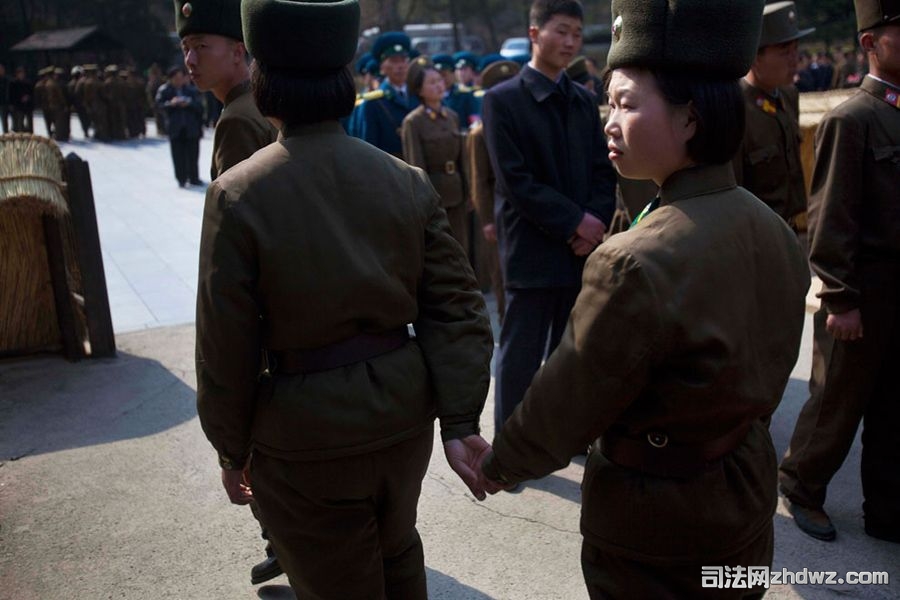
(108, 488)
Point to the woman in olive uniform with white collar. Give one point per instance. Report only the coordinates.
(679, 346)
(316, 253)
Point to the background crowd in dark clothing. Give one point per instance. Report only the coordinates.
(820, 71)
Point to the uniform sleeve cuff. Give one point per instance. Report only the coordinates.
(231, 464)
(491, 471)
(457, 431)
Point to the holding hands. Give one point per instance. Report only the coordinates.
(588, 235)
(465, 456)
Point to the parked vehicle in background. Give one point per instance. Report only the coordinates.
(437, 38)
(515, 46)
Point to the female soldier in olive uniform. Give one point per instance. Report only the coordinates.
(316, 253)
(678, 405)
(432, 141)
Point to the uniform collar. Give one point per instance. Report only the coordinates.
(434, 114)
(237, 91)
(697, 181)
(541, 86)
(323, 128)
(882, 90)
(764, 101)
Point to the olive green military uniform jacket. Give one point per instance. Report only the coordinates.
(240, 131)
(704, 346)
(315, 239)
(54, 96)
(432, 141)
(854, 212)
(768, 160)
(481, 174)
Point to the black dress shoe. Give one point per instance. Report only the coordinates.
(266, 570)
(880, 532)
(812, 521)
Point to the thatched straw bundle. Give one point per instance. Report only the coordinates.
(31, 187)
(31, 174)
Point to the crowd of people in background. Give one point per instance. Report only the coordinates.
(112, 103)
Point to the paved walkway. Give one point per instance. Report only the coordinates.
(108, 488)
(149, 227)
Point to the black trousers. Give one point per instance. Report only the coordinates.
(4, 117)
(532, 327)
(22, 121)
(185, 155)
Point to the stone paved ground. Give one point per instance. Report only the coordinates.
(108, 488)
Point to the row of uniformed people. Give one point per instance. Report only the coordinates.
(113, 105)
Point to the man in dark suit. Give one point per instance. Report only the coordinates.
(184, 123)
(554, 194)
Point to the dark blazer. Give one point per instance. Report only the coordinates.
(549, 155)
(181, 121)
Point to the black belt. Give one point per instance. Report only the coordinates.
(353, 350)
(656, 455)
(448, 168)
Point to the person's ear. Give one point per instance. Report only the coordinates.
(867, 41)
(533, 31)
(687, 121)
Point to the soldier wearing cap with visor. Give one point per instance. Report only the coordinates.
(212, 41)
(465, 63)
(658, 368)
(216, 59)
(854, 248)
(379, 117)
(768, 161)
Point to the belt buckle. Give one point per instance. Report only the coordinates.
(450, 167)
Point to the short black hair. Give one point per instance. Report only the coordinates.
(718, 108)
(418, 80)
(302, 97)
(544, 10)
(173, 70)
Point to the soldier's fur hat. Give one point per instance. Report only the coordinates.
(315, 36)
(717, 39)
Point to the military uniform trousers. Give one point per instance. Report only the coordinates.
(611, 577)
(346, 528)
(853, 381)
(532, 327)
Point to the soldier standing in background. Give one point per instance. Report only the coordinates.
(768, 160)
(854, 247)
(482, 182)
(113, 94)
(40, 98)
(57, 102)
(378, 118)
(136, 103)
(214, 53)
(75, 89)
(92, 96)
